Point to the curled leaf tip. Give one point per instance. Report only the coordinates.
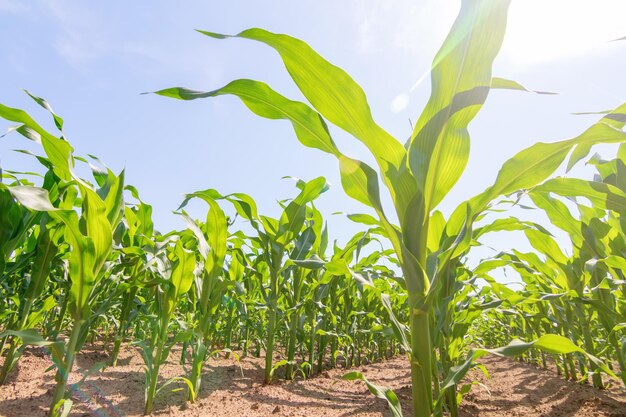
(213, 34)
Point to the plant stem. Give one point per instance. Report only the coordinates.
(421, 362)
(271, 326)
(269, 348)
(119, 336)
(64, 369)
(154, 378)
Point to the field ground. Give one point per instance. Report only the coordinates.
(514, 389)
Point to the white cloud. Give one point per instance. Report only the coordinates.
(403, 25)
(81, 39)
(85, 36)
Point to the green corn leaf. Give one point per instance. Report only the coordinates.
(310, 128)
(380, 392)
(215, 227)
(399, 329)
(365, 219)
(615, 118)
(534, 164)
(63, 408)
(559, 214)
(505, 84)
(546, 245)
(58, 121)
(98, 228)
(303, 244)
(602, 195)
(82, 262)
(58, 151)
(314, 262)
(114, 200)
(45, 253)
(461, 79)
(331, 91)
(182, 272)
(34, 198)
(33, 338)
(293, 217)
(337, 97)
(203, 245)
(184, 380)
(507, 224)
(550, 343)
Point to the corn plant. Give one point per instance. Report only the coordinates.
(419, 174)
(17, 226)
(275, 237)
(578, 293)
(136, 246)
(89, 234)
(43, 256)
(211, 239)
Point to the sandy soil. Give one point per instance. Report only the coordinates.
(515, 389)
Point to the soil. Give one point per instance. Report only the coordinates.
(514, 389)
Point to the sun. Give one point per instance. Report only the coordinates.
(547, 30)
(540, 31)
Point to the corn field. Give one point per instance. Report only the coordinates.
(82, 261)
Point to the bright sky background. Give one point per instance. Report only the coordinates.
(91, 60)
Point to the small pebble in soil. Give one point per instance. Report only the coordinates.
(276, 409)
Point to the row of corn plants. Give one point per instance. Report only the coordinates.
(83, 263)
(576, 290)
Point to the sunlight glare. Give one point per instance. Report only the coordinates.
(548, 30)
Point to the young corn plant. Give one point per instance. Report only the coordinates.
(43, 255)
(211, 238)
(311, 244)
(136, 245)
(21, 233)
(175, 278)
(34, 236)
(276, 237)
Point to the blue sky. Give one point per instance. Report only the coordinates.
(91, 61)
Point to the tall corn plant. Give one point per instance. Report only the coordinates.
(418, 174)
(89, 232)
